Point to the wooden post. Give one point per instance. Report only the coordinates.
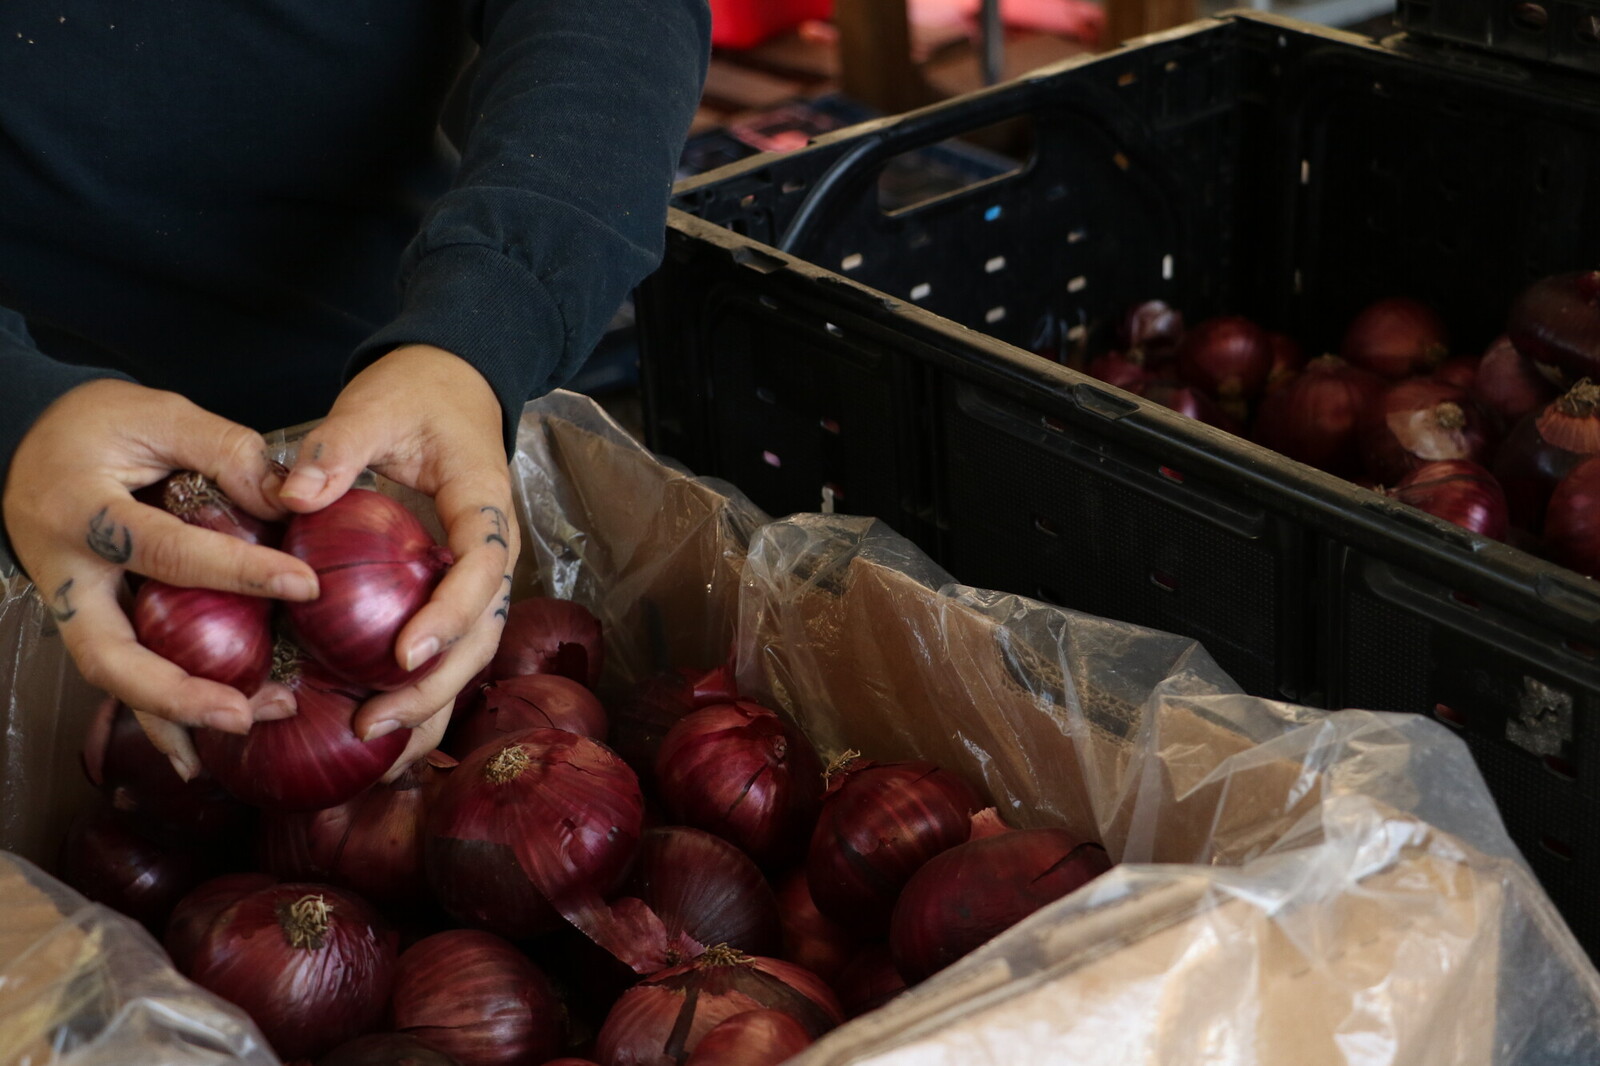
(1134, 18)
(875, 64)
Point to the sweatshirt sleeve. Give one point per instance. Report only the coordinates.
(32, 382)
(576, 120)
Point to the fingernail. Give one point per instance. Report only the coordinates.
(293, 587)
(380, 729)
(275, 708)
(303, 483)
(421, 652)
(227, 721)
(186, 769)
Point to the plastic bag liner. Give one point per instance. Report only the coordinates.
(1295, 886)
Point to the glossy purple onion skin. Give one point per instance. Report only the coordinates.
(754, 1038)
(740, 771)
(1314, 418)
(386, 1049)
(109, 863)
(549, 635)
(200, 502)
(1228, 358)
(1396, 337)
(1572, 521)
(377, 566)
(147, 792)
(306, 762)
(1401, 430)
(1458, 491)
(1556, 321)
(869, 980)
(1508, 385)
(877, 827)
(306, 1000)
(702, 886)
(975, 891)
(534, 701)
(192, 918)
(220, 636)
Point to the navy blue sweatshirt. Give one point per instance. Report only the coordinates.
(246, 201)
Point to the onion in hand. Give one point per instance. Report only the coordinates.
(221, 636)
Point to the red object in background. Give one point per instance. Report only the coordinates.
(746, 23)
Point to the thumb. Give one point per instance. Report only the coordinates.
(330, 459)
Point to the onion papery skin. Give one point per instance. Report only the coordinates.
(309, 992)
(1508, 386)
(1420, 421)
(1190, 402)
(1459, 491)
(147, 792)
(478, 999)
(523, 829)
(1543, 449)
(1396, 338)
(371, 844)
(811, 939)
(535, 701)
(386, 1049)
(1124, 370)
(220, 636)
(1228, 358)
(655, 704)
(1556, 321)
(879, 824)
(109, 863)
(1154, 329)
(377, 566)
(306, 762)
(196, 913)
(753, 1038)
(1314, 418)
(1572, 521)
(979, 889)
(661, 1020)
(547, 635)
(705, 888)
(869, 980)
(740, 771)
(198, 500)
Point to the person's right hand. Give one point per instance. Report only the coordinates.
(75, 527)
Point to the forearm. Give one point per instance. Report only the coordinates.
(578, 116)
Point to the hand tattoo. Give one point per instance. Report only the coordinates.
(104, 539)
(60, 604)
(503, 612)
(498, 518)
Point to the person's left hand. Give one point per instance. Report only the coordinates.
(425, 418)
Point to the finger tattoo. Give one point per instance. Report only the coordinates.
(111, 542)
(503, 612)
(60, 604)
(497, 518)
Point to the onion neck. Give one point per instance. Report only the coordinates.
(506, 765)
(1450, 416)
(306, 922)
(722, 955)
(839, 767)
(286, 661)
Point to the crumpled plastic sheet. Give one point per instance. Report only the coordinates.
(1294, 886)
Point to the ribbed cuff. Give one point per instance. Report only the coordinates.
(471, 300)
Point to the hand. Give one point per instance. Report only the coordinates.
(426, 419)
(76, 527)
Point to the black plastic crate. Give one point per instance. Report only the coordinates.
(1566, 32)
(822, 351)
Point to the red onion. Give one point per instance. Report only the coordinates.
(869, 980)
(545, 635)
(1420, 421)
(1396, 337)
(111, 864)
(541, 827)
(704, 888)
(1556, 320)
(1572, 521)
(1228, 358)
(1459, 491)
(1508, 384)
(195, 914)
(741, 772)
(977, 890)
(879, 823)
(1313, 418)
(663, 1018)
(1288, 359)
(478, 999)
(303, 763)
(386, 1049)
(220, 636)
(753, 1038)
(810, 938)
(198, 501)
(371, 844)
(144, 788)
(654, 706)
(1458, 370)
(377, 566)
(1124, 370)
(311, 965)
(1153, 329)
(1543, 448)
(536, 701)
(570, 1061)
(1189, 402)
